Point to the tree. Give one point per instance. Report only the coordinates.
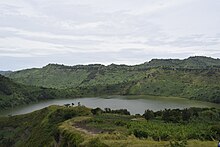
(96, 111)
(172, 115)
(186, 115)
(148, 114)
(107, 110)
(67, 105)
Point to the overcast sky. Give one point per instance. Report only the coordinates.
(34, 33)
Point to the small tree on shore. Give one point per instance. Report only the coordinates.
(148, 114)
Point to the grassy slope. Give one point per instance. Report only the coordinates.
(59, 76)
(13, 94)
(54, 126)
(121, 130)
(195, 77)
(39, 128)
(195, 84)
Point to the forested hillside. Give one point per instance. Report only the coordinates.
(5, 72)
(197, 62)
(13, 94)
(195, 77)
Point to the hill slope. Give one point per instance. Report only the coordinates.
(38, 128)
(13, 94)
(196, 62)
(195, 77)
(5, 72)
(80, 126)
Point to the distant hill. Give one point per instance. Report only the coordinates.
(5, 72)
(195, 77)
(196, 62)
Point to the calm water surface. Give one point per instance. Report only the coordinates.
(134, 104)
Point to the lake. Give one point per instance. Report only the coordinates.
(134, 104)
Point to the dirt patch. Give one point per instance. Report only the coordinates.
(81, 126)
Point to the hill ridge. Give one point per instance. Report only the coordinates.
(195, 58)
(194, 77)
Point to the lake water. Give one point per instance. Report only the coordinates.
(134, 104)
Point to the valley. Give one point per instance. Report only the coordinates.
(164, 102)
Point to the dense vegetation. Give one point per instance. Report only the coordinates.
(13, 94)
(176, 124)
(5, 72)
(195, 78)
(79, 126)
(39, 128)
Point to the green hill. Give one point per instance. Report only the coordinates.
(195, 77)
(39, 128)
(196, 62)
(13, 94)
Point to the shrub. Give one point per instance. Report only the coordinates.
(140, 133)
(178, 143)
(148, 114)
(120, 123)
(96, 143)
(96, 111)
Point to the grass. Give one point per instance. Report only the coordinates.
(39, 128)
(120, 139)
(57, 126)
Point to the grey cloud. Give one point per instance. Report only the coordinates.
(186, 41)
(127, 56)
(121, 31)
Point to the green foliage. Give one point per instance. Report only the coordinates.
(39, 128)
(186, 115)
(178, 143)
(173, 115)
(13, 94)
(54, 126)
(5, 72)
(196, 62)
(119, 111)
(197, 127)
(96, 111)
(96, 143)
(195, 78)
(70, 138)
(148, 114)
(109, 122)
(216, 129)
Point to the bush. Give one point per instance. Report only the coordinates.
(120, 111)
(186, 115)
(216, 130)
(120, 123)
(96, 143)
(140, 133)
(148, 114)
(178, 143)
(173, 115)
(96, 111)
